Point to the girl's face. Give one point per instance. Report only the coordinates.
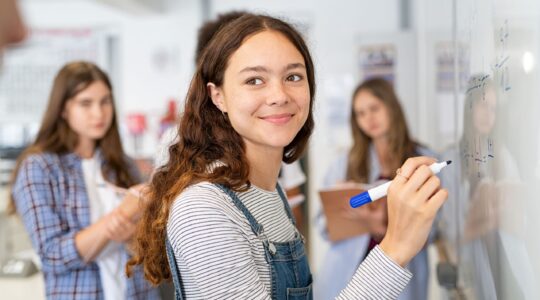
(371, 115)
(484, 112)
(90, 112)
(265, 91)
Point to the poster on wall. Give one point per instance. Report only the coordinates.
(450, 119)
(378, 61)
(337, 109)
(444, 54)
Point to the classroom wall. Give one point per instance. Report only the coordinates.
(151, 58)
(433, 23)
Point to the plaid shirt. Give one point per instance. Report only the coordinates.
(51, 197)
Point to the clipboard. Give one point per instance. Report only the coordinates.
(335, 203)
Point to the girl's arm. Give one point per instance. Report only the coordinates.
(113, 226)
(59, 247)
(52, 239)
(413, 201)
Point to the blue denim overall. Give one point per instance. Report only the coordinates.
(291, 277)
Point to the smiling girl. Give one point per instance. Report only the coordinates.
(216, 210)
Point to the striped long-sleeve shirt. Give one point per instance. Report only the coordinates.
(219, 256)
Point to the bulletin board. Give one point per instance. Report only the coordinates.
(29, 69)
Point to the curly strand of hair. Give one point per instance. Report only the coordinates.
(202, 142)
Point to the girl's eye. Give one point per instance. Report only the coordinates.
(254, 81)
(85, 103)
(294, 77)
(106, 101)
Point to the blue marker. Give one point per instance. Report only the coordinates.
(380, 191)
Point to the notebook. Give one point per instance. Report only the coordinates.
(336, 207)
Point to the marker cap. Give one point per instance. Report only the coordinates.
(360, 200)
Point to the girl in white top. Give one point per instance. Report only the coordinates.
(65, 187)
(216, 204)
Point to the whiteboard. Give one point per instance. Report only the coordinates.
(26, 77)
(486, 96)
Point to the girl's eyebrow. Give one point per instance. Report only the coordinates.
(82, 99)
(265, 70)
(85, 99)
(254, 69)
(295, 66)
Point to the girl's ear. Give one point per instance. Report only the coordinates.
(216, 94)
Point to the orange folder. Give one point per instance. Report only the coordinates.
(335, 203)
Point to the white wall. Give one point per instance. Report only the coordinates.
(153, 61)
(432, 23)
(157, 65)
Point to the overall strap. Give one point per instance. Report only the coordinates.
(175, 273)
(255, 226)
(285, 204)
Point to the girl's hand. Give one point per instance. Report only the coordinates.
(414, 197)
(132, 203)
(373, 216)
(119, 227)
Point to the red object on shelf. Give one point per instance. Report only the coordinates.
(136, 123)
(170, 115)
(169, 119)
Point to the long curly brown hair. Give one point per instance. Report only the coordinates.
(400, 143)
(205, 135)
(55, 135)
